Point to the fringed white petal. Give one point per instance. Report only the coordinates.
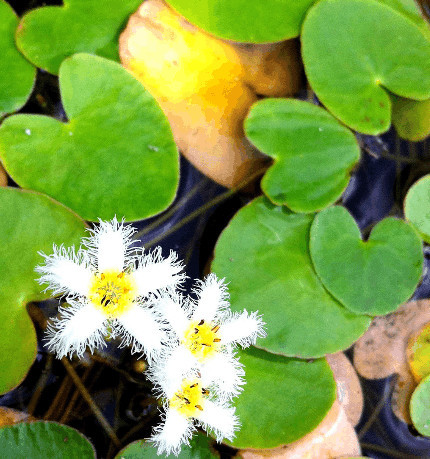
(65, 272)
(212, 298)
(175, 431)
(79, 326)
(170, 369)
(109, 245)
(141, 329)
(219, 418)
(242, 329)
(226, 372)
(156, 273)
(172, 311)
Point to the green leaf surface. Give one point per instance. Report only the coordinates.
(17, 75)
(283, 398)
(42, 440)
(369, 277)
(47, 35)
(236, 19)
(420, 407)
(200, 448)
(375, 48)
(30, 222)
(116, 154)
(417, 207)
(411, 118)
(409, 9)
(264, 255)
(313, 152)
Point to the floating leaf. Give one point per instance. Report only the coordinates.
(47, 35)
(369, 277)
(409, 9)
(200, 448)
(351, 70)
(418, 353)
(30, 222)
(411, 118)
(206, 86)
(382, 352)
(313, 152)
(334, 437)
(16, 74)
(264, 255)
(283, 399)
(40, 440)
(236, 19)
(417, 207)
(116, 155)
(420, 407)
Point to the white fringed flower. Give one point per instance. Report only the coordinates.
(206, 335)
(110, 288)
(189, 404)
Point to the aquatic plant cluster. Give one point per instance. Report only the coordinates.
(114, 290)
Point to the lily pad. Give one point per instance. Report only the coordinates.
(369, 277)
(264, 255)
(30, 222)
(283, 399)
(411, 118)
(115, 155)
(313, 152)
(17, 75)
(351, 70)
(410, 9)
(418, 353)
(39, 440)
(47, 35)
(200, 448)
(417, 207)
(420, 407)
(236, 19)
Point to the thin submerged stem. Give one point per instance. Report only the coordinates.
(72, 401)
(199, 186)
(87, 397)
(213, 202)
(41, 384)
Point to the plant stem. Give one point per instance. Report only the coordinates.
(72, 401)
(87, 397)
(213, 202)
(172, 210)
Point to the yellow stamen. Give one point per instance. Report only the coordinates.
(189, 399)
(202, 340)
(113, 292)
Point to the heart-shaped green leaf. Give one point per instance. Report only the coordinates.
(200, 448)
(47, 35)
(313, 152)
(375, 48)
(411, 118)
(283, 398)
(42, 440)
(369, 277)
(420, 407)
(264, 255)
(30, 222)
(116, 155)
(16, 74)
(417, 207)
(409, 9)
(236, 19)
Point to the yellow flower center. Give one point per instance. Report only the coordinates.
(190, 399)
(202, 340)
(113, 292)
